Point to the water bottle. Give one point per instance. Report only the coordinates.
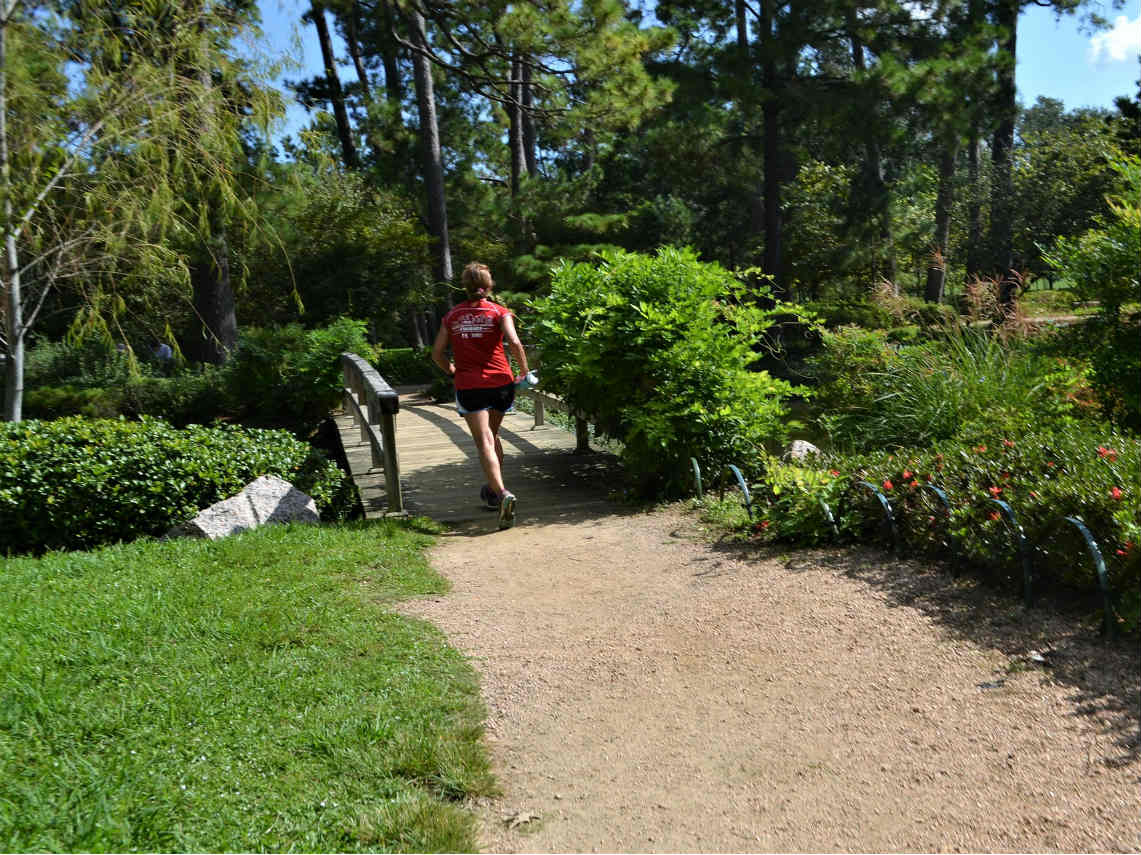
(527, 381)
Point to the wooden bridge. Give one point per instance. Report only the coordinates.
(402, 430)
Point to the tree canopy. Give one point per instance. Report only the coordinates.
(831, 146)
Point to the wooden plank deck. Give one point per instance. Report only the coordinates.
(441, 475)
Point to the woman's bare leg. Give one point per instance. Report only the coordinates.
(488, 446)
(494, 420)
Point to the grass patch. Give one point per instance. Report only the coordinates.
(249, 694)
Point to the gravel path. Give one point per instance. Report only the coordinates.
(650, 691)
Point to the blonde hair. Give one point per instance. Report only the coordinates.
(477, 280)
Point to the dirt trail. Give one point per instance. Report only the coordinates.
(648, 691)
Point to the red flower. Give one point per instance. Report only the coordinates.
(980, 448)
(913, 484)
(994, 515)
(994, 491)
(1033, 495)
(1008, 443)
(906, 474)
(1116, 494)
(833, 471)
(1122, 552)
(887, 485)
(1050, 463)
(1110, 453)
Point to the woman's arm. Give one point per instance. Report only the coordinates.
(516, 346)
(438, 352)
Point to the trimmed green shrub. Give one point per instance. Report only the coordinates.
(190, 397)
(842, 313)
(1079, 470)
(75, 483)
(186, 398)
(55, 402)
(656, 351)
(881, 313)
(91, 363)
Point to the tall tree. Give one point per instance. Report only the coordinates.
(114, 136)
(332, 84)
(433, 163)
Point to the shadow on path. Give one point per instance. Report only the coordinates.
(1104, 675)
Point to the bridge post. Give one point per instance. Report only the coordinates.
(581, 436)
(391, 464)
(374, 417)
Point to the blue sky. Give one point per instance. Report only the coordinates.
(1056, 58)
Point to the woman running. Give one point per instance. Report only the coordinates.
(485, 385)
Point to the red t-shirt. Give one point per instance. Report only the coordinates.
(476, 333)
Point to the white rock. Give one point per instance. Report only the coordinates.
(801, 450)
(266, 500)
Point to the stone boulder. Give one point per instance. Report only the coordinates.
(800, 450)
(266, 500)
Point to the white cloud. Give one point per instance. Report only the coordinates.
(1120, 43)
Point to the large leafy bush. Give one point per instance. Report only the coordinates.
(656, 351)
(291, 377)
(77, 483)
(1102, 265)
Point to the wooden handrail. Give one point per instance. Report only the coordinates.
(374, 404)
(544, 399)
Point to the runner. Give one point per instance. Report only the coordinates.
(485, 385)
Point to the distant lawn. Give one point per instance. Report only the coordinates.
(251, 694)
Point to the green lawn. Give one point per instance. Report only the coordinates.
(250, 694)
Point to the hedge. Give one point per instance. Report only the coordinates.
(77, 483)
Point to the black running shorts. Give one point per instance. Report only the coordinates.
(499, 399)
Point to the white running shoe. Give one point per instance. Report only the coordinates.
(506, 510)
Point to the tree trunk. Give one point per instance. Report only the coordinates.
(515, 125)
(740, 15)
(416, 329)
(430, 147)
(937, 270)
(1002, 147)
(393, 87)
(974, 206)
(529, 142)
(14, 326)
(874, 182)
(773, 152)
(210, 277)
(1002, 187)
(353, 41)
(976, 19)
(214, 301)
(336, 96)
